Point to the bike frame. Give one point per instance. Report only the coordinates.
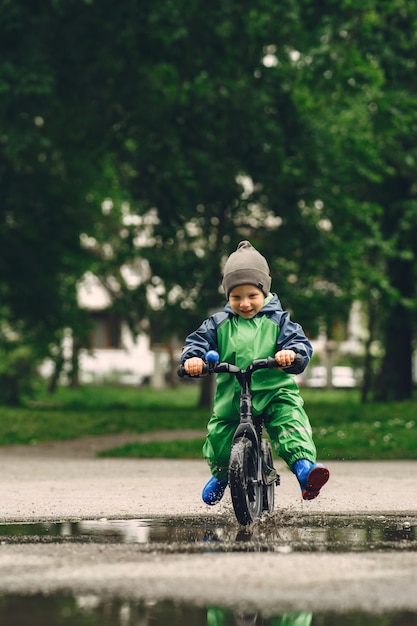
(249, 426)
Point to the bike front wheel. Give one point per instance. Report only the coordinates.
(245, 488)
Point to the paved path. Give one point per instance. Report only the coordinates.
(65, 479)
(38, 486)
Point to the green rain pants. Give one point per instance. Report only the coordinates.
(286, 423)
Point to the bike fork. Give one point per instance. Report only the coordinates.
(269, 474)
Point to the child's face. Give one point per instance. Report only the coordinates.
(246, 300)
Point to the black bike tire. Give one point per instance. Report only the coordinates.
(245, 490)
(268, 491)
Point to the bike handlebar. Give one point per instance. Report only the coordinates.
(229, 368)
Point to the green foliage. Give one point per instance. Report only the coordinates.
(359, 84)
(17, 371)
(49, 163)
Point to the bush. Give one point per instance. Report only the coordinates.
(17, 372)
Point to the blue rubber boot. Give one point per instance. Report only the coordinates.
(214, 490)
(311, 476)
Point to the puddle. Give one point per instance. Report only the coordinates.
(91, 610)
(283, 533)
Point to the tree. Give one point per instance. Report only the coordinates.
(358, 72)
(48, 164)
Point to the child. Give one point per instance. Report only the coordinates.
(252, 326)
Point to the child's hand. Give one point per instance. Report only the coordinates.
(194, 366)
(284, 358)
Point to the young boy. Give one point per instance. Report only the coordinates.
(252, 326)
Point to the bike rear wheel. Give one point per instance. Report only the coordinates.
(245, 489)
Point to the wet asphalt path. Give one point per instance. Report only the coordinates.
(38, 486)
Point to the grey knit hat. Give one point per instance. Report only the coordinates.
(246, 266)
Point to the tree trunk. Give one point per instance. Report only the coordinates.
(394, 382)
(367, 364)
(75, 365)
(207, 391)
(173, 362)
(59, 361)
(158, 376)
(395, 378)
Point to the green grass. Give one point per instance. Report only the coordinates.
(343, 427)
(175, 449)
(100, 411)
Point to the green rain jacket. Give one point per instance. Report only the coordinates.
(240, 341)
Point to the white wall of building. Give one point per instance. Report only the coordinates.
(132, 364)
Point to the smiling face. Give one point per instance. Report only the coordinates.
(246, 300)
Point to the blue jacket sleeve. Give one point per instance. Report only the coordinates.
(292, 337)
(198, 343)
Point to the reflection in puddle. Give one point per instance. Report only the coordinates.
(280, 533)
(91, 610)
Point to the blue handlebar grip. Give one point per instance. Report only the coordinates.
(212, 356)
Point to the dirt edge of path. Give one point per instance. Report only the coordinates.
(89, 447)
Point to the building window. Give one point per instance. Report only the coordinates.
(106, 331)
